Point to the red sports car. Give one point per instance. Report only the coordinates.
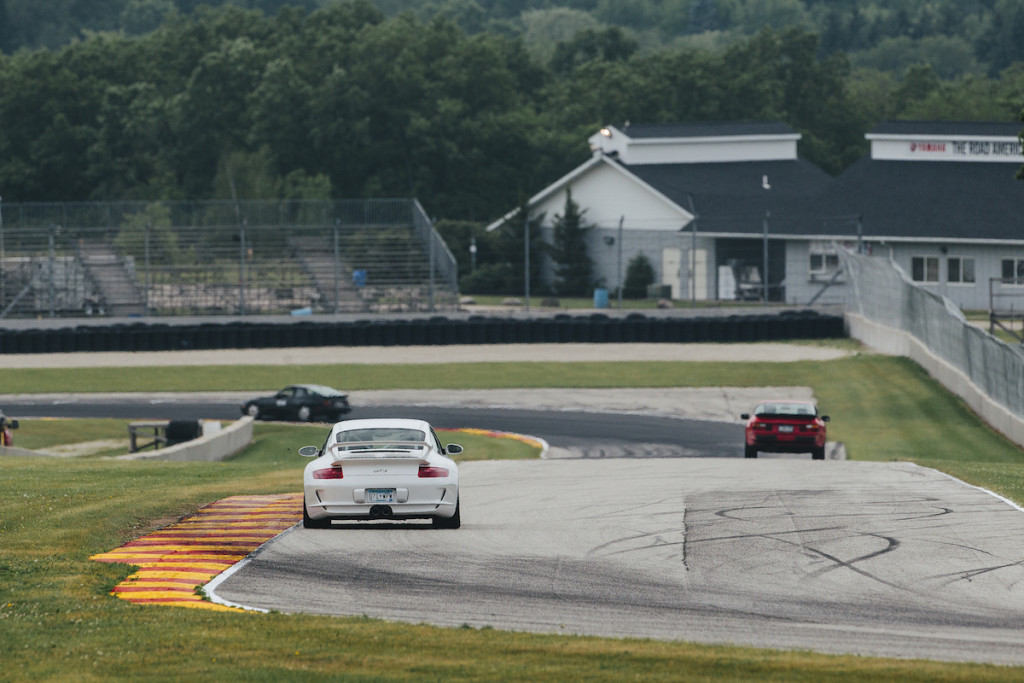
(785, 427)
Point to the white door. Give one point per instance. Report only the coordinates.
(699, 281)
(671, 269)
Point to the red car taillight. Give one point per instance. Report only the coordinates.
(428, 472)
(328, 473)
(762, 425)
(810, 428)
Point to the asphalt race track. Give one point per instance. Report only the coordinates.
(875, 559)
(884, 559)
(623, 436)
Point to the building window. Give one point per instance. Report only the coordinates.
(824, 261)
(959, 270)
(1013, 270)
(924, 268)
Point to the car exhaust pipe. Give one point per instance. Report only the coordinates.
(378, 511)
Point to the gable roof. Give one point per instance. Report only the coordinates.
(960, 197)
(931, 200)
(581, 171)
(731, 198)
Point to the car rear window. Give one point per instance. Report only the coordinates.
(786, 409)
(380, 434)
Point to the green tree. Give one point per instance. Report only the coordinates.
(507, 274)
(639, 275)
(609, 45)
(574, 270)
(149, 233)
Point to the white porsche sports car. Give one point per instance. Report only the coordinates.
(381, 469)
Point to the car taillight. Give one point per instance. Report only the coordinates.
(328, 473)
(810, 427)
(762, 425)
(428, 472)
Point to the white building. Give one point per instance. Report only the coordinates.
(714, 205)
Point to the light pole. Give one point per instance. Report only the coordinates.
(767, 215)
(621, 219)
(526, 256)
(149, 227)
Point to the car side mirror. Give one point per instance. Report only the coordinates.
(453, 449)
(13, 424)
(309, 452)
(744, 416)
(824, 418)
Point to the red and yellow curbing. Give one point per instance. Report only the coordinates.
(529, 440)
(177, 559)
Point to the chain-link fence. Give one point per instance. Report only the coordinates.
(221, 258)
(881, 292)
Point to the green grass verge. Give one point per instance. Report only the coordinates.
(57, 621)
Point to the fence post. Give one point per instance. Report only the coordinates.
(148, 226)
(432, 240)
(241, 268)
(53, 269)
(337, 266)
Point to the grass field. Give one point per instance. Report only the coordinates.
(57, 621)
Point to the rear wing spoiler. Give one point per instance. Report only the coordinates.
(368, 450)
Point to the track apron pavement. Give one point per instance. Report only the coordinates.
(885, 559)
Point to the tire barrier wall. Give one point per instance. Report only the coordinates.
(593, 329)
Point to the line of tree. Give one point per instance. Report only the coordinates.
(345, 102)
(957, 37)
(348, 102)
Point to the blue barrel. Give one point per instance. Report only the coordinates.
(601, 298)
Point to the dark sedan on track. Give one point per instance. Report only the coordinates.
(302, 402)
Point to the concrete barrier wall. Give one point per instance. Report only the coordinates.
(896, 342)
(214, 447)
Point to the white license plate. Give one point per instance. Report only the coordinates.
(785, 428)
(380, 495)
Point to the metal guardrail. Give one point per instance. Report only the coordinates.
(144, 259)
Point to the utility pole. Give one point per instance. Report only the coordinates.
(764, 273)
(621, 219)
(526, 257)
(693, 253)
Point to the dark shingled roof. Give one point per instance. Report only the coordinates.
(729, 197)
(704, 129)
(944, 128)
(931, 199)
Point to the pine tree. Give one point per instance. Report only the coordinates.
(573, 267)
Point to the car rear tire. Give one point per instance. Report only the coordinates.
(749, 452)
(253, 411)
(310, 523)
(818, 453)
(304, 414)
(453, 522)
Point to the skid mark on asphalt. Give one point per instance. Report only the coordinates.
(177, 559)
